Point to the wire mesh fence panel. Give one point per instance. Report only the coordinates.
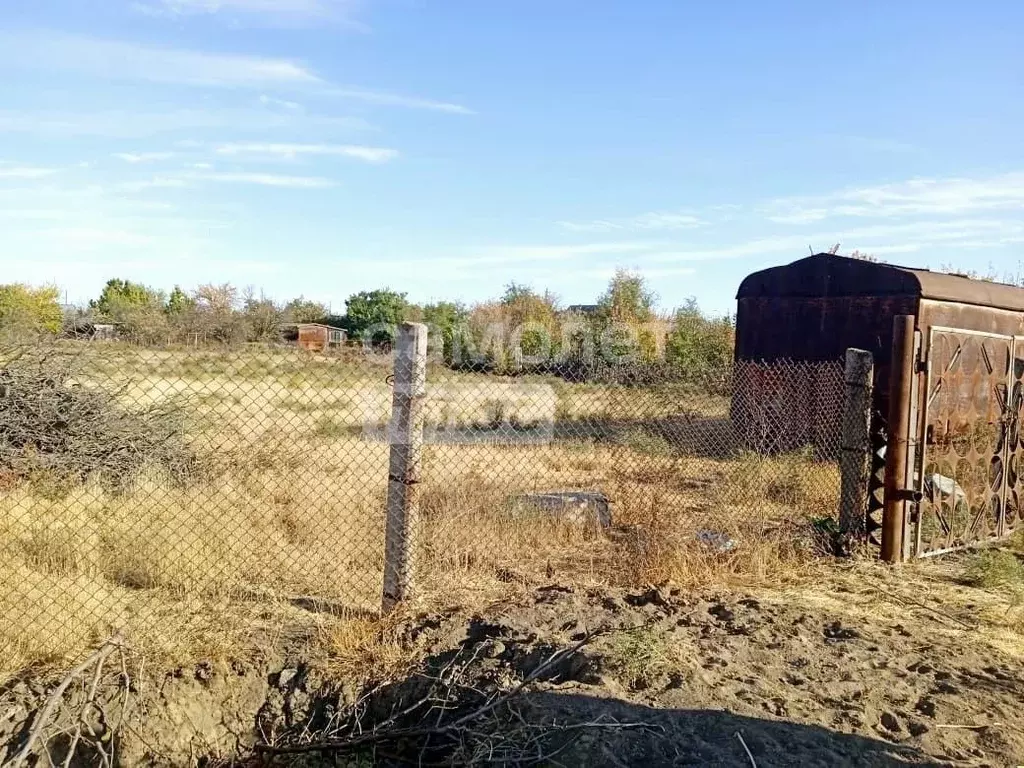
(629, 472)
(200, 498)
(183, 496)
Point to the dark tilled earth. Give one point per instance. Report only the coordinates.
(798, 686)
(647, 678)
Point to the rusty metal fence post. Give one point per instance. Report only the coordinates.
(405, 435)
(901, 384)
(855, 467)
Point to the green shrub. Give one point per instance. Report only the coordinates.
(994, 568)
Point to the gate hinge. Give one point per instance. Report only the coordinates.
(921, 366)
(908, 494)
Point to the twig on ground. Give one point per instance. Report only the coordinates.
(969, 727)
(750, 755)
(58, 694)
(126, 682)
(82, 715)
(462, 726)
(942, 614)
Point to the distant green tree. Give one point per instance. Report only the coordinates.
(373, 316)
(413, 313)
(532, 318)
(303, 310)
(517, 292)
(119, 296)
(447, 322)
(624, 312)
(24, 308)
(179, 302)
(138, 310)
(698, 344)
(263, 317)
(627, 299)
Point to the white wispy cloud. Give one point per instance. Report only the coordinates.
(880, 144)
(270, 101)
(916, 197)
(143, 157)
(157, 182)
(258, 11)
(501, 255)
(11, 171)
(655, 220)
(291, 151)
(87, 238)
(114, 60)
(33, 214)
(384, 99)
(129, 124)
(265, 179)
(906, 237)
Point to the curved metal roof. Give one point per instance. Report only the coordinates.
(825, 275)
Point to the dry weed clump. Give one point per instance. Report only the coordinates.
(370, 649)
(56, 431)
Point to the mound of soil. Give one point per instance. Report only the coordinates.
(700, 679)
(615, 678)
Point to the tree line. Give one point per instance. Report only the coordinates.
(520, 328)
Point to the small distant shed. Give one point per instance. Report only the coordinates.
(82, 328)
(317, 337)
(104, 332)
(815, 308)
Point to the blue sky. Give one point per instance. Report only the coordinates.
(446, 147)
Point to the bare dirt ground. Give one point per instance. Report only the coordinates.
(844, 676)
(864, 666)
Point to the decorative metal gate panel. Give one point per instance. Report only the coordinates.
(970, 442)
(1014, 493)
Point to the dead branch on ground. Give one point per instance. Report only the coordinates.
(83, 728)
(465, 725)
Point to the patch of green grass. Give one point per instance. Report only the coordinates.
(639, 657)
(329, 428)
(1016, 540)
(994, 568)
(646, 442)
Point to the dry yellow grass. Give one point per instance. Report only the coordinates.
(290, 512)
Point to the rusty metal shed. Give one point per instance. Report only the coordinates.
(817, 307)
(316, 337)
(957, 418)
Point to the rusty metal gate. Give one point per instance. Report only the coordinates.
(968, 468)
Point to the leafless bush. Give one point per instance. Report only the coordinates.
(57, 430)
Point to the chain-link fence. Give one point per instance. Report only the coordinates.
(189, 497)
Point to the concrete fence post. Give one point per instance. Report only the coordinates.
(855, 453)
(405, 435)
